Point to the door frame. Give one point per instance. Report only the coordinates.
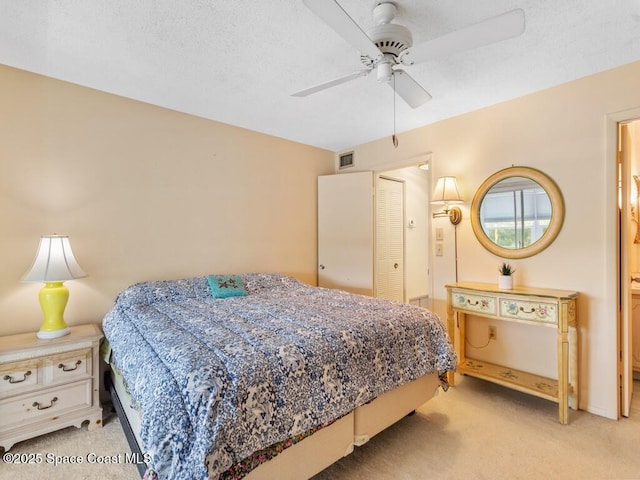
(625, 367)
(413, 162)
(620, 287)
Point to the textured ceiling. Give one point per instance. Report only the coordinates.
(239, 61)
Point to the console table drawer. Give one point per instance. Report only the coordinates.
(474, 303)
(531, 311)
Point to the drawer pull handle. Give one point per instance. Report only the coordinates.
(530, 311)
(66, 369)
(40, 407)
(473, 303)
(13, 380)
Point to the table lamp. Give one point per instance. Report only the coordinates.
(54, 263)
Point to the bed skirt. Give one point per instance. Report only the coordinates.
(316, 452)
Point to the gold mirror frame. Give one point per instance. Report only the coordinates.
(557, 212)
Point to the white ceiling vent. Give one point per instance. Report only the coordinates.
(345, 160)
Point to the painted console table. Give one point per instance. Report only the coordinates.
(533, 306)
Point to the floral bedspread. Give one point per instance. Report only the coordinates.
(217, 379)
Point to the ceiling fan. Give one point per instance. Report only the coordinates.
(386, 46)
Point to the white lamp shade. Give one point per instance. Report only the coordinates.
(54, 261)
(446, 191)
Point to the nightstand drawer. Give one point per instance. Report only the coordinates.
(49, 403)
(541, 312)
(19, 377)
(70, 366)
(28, 375)
(474, 303)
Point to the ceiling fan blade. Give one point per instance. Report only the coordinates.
(502, 27)
(410, 90)
(332, 83)
(335, 16)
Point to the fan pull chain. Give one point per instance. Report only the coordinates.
(394, 139)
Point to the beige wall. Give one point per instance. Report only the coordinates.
(144, 193)
(565, 132)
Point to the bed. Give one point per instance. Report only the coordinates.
(262, 376)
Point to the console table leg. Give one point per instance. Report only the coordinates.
(563, 378)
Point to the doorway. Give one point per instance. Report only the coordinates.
(417, 231)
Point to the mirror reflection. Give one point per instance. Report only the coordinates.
(515, 212)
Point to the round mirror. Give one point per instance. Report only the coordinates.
(517, 212)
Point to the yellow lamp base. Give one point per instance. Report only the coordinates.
(53, 300)
(45, 335)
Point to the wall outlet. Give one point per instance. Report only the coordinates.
(493, 332)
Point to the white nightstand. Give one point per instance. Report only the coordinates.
(46, 385)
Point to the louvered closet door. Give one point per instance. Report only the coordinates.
(390, 239)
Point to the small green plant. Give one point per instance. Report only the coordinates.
(506, 269)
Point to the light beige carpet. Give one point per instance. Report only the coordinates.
(476, 430)
(93, 448)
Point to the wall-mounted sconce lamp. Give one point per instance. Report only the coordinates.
(54, 263)
(447, 192)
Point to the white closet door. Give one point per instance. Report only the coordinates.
(345, 232)
(390, 239)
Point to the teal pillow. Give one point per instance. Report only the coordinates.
(223, 286)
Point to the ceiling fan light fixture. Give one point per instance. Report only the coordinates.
(384, 72)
